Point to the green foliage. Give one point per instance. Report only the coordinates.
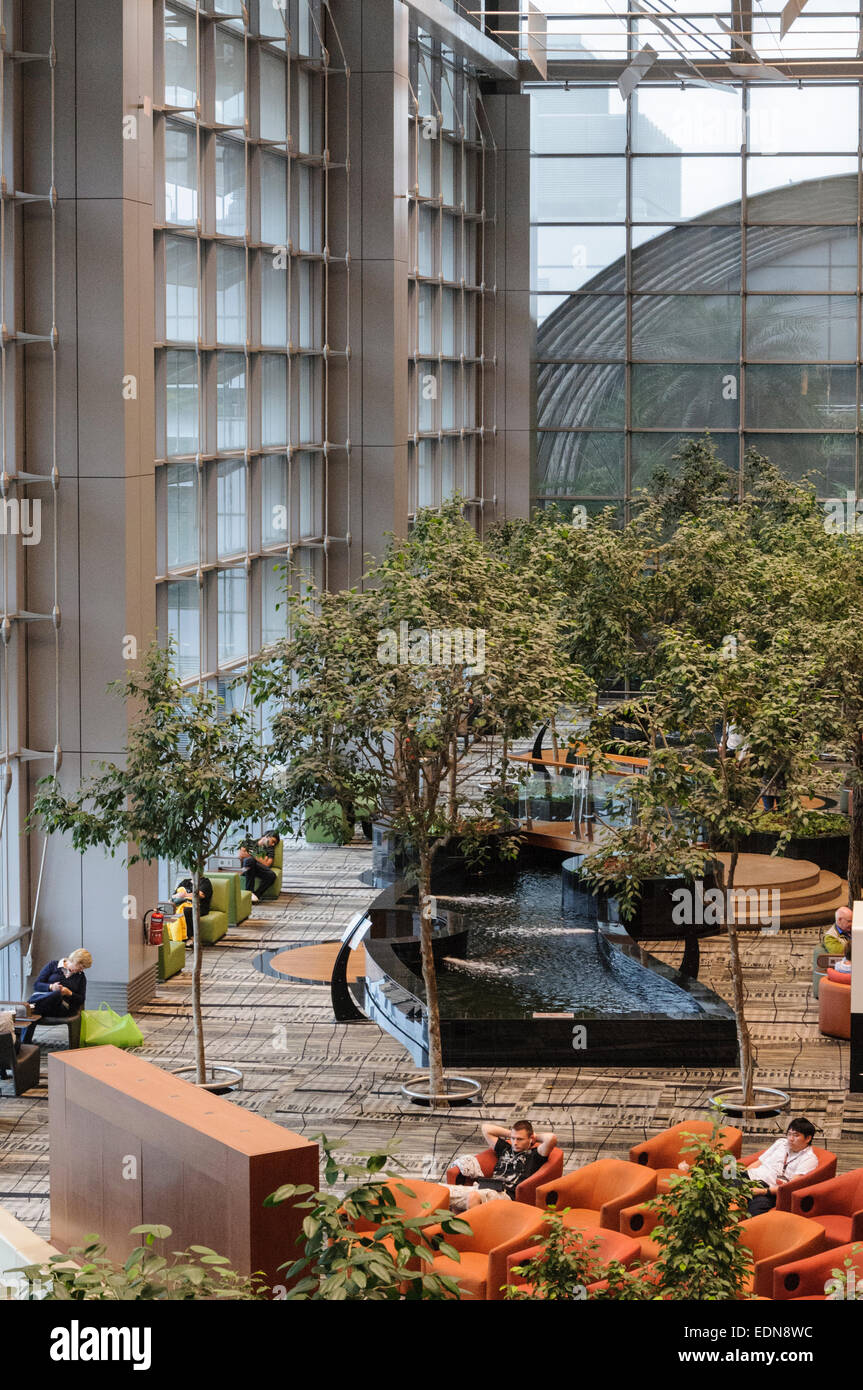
(700, 1252)
(565, 1264)
(375, 682)
(180, 1276)
(361, 1245)
(193, 770)
(846, 1281)
(809, 824)
(485, 840)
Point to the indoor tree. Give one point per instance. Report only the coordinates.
(193, 771)
(445, 647)
(746, 725)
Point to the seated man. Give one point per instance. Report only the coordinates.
(519, 1153)
(182, 897)
(788, 1158)
(256, 862)
(837, 937)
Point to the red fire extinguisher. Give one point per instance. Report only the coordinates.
(154, 932)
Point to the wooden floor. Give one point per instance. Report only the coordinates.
(313, 1075)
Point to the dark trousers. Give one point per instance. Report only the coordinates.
(252, 869)
(761, 1202)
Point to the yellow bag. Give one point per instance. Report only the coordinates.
(175, 927)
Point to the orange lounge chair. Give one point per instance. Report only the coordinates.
(776, 1238)
(597, 1193)
(497, 1230)
(526, 1191)
(806, 1279)
(837, 1206)
(665, 1151)
(610, 1245)
(834, 1005)
(826, 1169)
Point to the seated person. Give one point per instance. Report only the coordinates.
(256, 860)
(182, 897)
(843, 966)
(7, 1026)
(60, 989)
(519, 1152)
(788, 1158)
(836, 937)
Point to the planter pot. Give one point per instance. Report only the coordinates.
(459, 1090)
(829, 852)
(222, 1077)
(768, 1101)
(656, 916)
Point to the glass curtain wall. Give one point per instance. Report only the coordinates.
(248, 271)
(695, 266)
(453, 281)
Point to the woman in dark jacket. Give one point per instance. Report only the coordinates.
(61, 986)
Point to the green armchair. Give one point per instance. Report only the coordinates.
(215, 925)
(239, 898)
(275, 888)
(325, 824)
(172, 958)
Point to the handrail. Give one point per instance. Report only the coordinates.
(548, 760)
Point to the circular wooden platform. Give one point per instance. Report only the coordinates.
(315, 963)
(807, 896)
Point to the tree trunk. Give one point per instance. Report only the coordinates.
(197, 961)
(436, 1077)
(554, 743)
(855, 847)
(452, 779)
(744, 1039)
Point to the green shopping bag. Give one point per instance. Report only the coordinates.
(95, 1023)
(102, 1026)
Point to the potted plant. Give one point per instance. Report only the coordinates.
(193, 771)
(822, 837)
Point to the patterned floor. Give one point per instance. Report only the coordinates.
(315, 1076)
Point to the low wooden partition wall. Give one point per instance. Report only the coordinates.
(131, 1144)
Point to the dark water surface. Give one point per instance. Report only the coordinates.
(527, 954)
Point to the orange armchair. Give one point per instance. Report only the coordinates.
(837, 1206)
(610, 1245)
(638, 1222)
(776, 1238)
(834, 1006)
(526, 1191)
(421, 1197)
(805, 1279)
(598, 1192)
(826, 1169)
(665, 1151)
(498, 1229)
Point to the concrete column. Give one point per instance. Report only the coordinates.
(105, 408)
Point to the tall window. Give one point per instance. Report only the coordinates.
(249, 367)
(695, 267)
(453, 279)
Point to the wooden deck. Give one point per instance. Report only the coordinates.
(312, 1075)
